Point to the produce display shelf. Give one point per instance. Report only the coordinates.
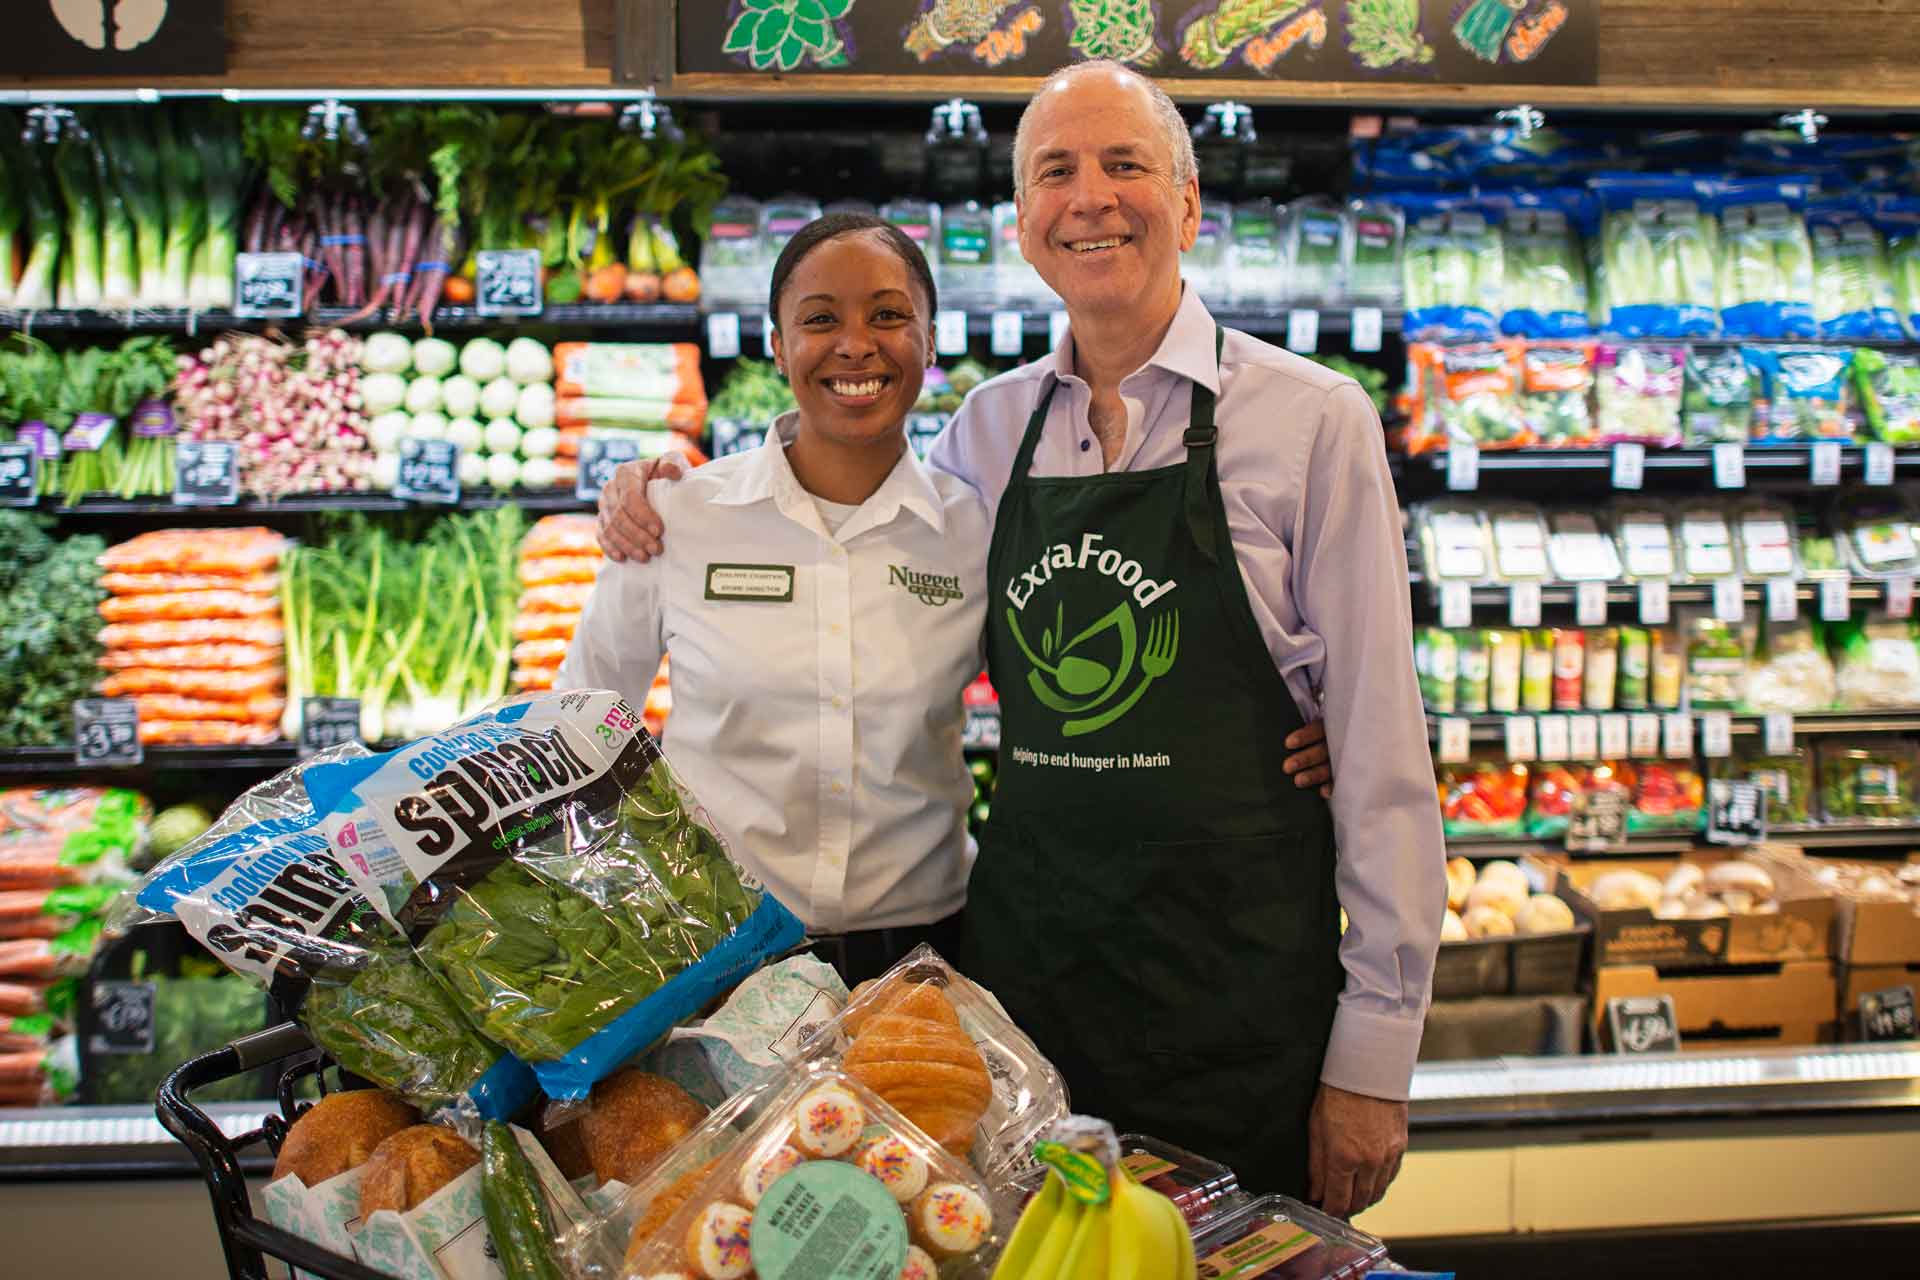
(1480, 848)
(674, 321)
(479, 499)
(1565, 595)
(1493, 728)
(1036, 319)
(1847, 837)
(39, 762)
(1768, 460)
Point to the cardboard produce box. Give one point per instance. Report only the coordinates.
(1870, 928)
(1781, 1004)
(1802, 929)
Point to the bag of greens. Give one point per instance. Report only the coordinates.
(549, 869)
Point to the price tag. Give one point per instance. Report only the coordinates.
(1655, 607)
(1879, 464)
(1825, 467)
(599, 459)
(1629, 466)
(328, 722)
(1836, 599)
(1677, 735)
(1523, 606)
(981, 729)
(1736, 812)
(1729, 466)
(1523, 742)
(19, 475)
(1643, 1025)
(1591, 603)
(1888, 1015)
(1716, 735)
(1455, 740)
(106, 731)
(1615, 738)
(950, 333)
(1729, 599)
(1554, 738)
(1056, 328)
(766, 336)
(1008, 336)
(1783, 599)
(1598, 820)
(1583, 737)
(1366, 328)
(429, 471)
(1456, 605)
(1463, 467)
(1303, 331)
(122, 1018)
(1779, 733)
(1900, 596)
(723, 335)
(206, 473)
(1643, 736)
(507, 282)
(268, 286)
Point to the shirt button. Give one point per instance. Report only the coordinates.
(1085, 445)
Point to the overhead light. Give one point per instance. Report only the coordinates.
(1525, 120)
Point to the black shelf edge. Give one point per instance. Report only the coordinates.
(1492, 728)
(1664, 844)
(1564, 595)
(310, 503)
(669, 319)
(1768, 459)
(35, 762)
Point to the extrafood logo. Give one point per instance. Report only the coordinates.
(1088, 675)
(929, 588)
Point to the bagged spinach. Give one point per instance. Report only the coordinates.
(1889, 387)
(1716, 405)
(550, 871)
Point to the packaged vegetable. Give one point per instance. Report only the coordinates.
(1602, 669)
(1476, 674)
(1536, 671)
(1659, 252)
(1504, 650)
(1790, 670)
(1311, 235)
(209, 656)
(1766, 259)
(1569, 668)
(1808, 392)
(1550, 797)
(1283, 1239)
(1878, 532)
(138, 584)
(1474, 397)
(1644, 540)
(1436, 658)
(1556, 382)
(1766, 540)
(228, 552)
(1706, 543)
(187, 605)
(664, 372)
(1486, 797)
(1454, 269)
(1454, 543)
(1821, 555)
(616, 912)
(1785, 782)
(1637, 392)
(1668, 795)
(1717, 403)
(1258, 272)
(1580, 549)
(1545, 275)
(192, 631)
(1716, 665)
(207, 733)
(1371, 252)
(1889, 389)
(1519, 543)
(1875, 663)
(1636, 668)
(1868, 783)
(244, 683)
(1853, 295)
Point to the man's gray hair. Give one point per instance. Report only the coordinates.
(1179, 141)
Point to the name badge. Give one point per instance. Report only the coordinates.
(768, 583)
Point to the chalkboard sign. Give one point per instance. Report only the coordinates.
(206, 473)
(122, 1018)
(1598, 819)
(328, 722)
(429, 471)
(731, 435)
(1424, 41)
(267, 286)
(507, 282)
(19, 475)
(981, 731)
(1736, 812)
(1888, 1015)
(1643, 1024)
(599, 459)
(84, 38)
(106, 731)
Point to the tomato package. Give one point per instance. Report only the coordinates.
(1551, 795)
(1667, 796)
(1483, 798)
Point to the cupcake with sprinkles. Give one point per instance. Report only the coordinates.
(894, 1164)
(719, 1244)
(758, 1175)
(827, 1122)
(949, 1220)
(919, 1265)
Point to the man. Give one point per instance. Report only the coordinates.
(1194, 532)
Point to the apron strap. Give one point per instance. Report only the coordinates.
(1023, 460)
(1200, 437)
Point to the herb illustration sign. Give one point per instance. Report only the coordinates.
(1545, 42)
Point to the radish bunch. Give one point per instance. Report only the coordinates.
(294, 409)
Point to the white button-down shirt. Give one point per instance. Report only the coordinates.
(822, 734)
(1316, 529)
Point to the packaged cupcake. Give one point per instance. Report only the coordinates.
(829, 1180)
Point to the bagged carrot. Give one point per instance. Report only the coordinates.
(534, 679)
(558, 597)
(230, 552)
(21, 999)
(264, 708)
(545, 625)
(146, 584)
(561, 535)
(207, 733)
(43, 959)
(636, 370)
(247, 682)
(544, 569)
(156, 635)
(215, 657)
(540, 653)
(25, 1034)
(169, 606)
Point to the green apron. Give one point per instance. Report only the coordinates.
(1154, 899)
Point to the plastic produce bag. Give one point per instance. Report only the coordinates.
(1785, 782)
(1766, 264)
(1668, 795)
(1876, 664)
(552, 872)
(741, 1044)
(1853, 294)
(1545, 267)
(1474, 397)
(1790, 671)
(1716, 406)
(1659, 252)
(1551, 791)
(1371, 253)
(1878, 532)
(1555, 387)
(1486, 797)
(1311, 236)
(1637, 392)
(1868, 782)
(1808, 392)
(1454, 269)
(1889, 389)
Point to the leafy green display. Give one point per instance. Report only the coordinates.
(48, 644)
(1382, 33)
(1868, 783)
(753, 393)
(1889, 387)
(1785, 782)
(1716, 405)
(195, 1013)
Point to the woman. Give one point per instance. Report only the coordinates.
(824, 600)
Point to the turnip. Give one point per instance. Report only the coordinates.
(434, 357)
(473, 467)
(386, 470)
(386, 353)
(539, 473)
(535, 407)
(460, 396)
(423, 395)
(466, 433)
(379, 392)
(498, 398)
(540, 442)
(503, 436)
(503, 471)
(427, 426)
(483, 360)
(528, 361)
(385, 431)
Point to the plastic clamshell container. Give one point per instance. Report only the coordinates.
(1706, 543)
(1767, 541)
(1580, 548)
(1455, 545)
(1879, 536)
(1519, 543)
(1278, 1238)
(1644, 534)
(1199, 1186)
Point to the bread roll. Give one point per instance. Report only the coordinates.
(411, 1166)
(1453, 929)
(1460, 881)
(563, 1144)
(1743, 876)
(1544, 913)
(1487, 922)
(1507, 873)
(339, 1133)
(1498, 895)
(631, 1121)
(1627, 891)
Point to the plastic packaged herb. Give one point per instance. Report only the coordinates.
(1717, 404)
(1879, 534)
(1637, 394)
(1436, 656)
(1206, 264)
(1785, 782)
(1889, 388)
(1536, 671)
(1706, 543)
(1716, 665)
(1645, 541)
(1372, 252)
(1476, 674)
(1257, 263)
(1311, 235)
(780, 220)
(1519, 543)
(1504, 650)
(1580, 549)
(1766, 541)
(1636, 668)
(1868, 783)
(1555, 386)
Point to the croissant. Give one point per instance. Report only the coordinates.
(909, 1048)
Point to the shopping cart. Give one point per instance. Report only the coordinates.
(249, 1241)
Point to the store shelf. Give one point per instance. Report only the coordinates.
(481, 499)
(1478, 848)
(1842, 837)
(663, 320)
(1680, 595)
(38, 762)
(1037, 320)
(1767, 461)
(1492, 729)
(91, 1141)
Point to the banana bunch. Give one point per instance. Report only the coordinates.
(1136, 1234)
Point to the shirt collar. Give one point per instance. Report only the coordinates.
(769, 476)
(1187, 350)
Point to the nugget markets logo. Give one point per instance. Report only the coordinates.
(929, 588)
(1087, 675)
